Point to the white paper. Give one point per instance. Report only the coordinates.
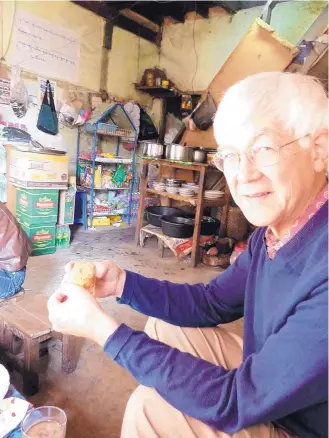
(44, 48)
(4, 92)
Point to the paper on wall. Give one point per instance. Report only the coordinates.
(44, 48)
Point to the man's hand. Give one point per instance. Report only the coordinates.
(110, 279)
(74, 311)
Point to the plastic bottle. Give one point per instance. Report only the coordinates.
(98, 177)
(238, 250)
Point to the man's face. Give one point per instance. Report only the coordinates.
(275, 194)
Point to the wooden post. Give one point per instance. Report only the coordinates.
(198, 218)
(224, 216)
(142, 191)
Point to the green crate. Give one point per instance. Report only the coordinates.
(63, 236)
(41, 236)
(38, 206)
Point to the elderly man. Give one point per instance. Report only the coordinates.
(199, 378)
(15, 248)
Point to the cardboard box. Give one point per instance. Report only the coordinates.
(66, 206)
(42, 236)
(38, 171)
(39, 206)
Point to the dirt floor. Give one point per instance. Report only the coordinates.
(95, 395)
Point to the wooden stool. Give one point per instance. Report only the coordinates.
(28, 320)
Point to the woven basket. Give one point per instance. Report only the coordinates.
(237, 224)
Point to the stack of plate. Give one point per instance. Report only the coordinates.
(192, 186)
(159, 187)
(186, 191)
(213, 194)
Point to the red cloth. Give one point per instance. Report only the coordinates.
(273, 243)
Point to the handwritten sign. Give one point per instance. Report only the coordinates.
(46, 49)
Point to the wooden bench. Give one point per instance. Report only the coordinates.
(13, 299)
(27, 319)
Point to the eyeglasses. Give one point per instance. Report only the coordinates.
(262, 156)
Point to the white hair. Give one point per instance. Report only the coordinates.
(295, 102)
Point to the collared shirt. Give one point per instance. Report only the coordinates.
(273, 243)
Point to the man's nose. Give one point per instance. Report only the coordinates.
(247, 170)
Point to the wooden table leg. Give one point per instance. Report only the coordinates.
(29, 374)
(198, 218)
(142, 191)
(161, 247)
(6, 337)
(70, 353)
(31, 352)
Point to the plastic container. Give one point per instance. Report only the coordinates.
(238, 250)
(63, 236)
(98, 177)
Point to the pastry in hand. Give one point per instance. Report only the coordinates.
(83, 274)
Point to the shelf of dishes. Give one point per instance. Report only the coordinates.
(190, 199)
(177, 189)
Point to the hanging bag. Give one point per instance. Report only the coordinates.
(47, 120)
(203, 115)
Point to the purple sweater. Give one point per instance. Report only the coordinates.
(284, 374)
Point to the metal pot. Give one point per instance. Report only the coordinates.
(179, 152)
(173, 226)
(171, 182)
(151, 149)
(167, 151)
(154, 214)
(200, 155)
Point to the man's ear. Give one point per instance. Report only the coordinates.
(320, 150)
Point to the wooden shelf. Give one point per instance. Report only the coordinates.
(189, 200)
(197, 201)
(158, 92)
(176, 164)
(108, 160)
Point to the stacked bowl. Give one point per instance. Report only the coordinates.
(159, 187)
(191, 186)
(186, 191)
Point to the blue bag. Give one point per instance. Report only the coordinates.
(47, 120)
